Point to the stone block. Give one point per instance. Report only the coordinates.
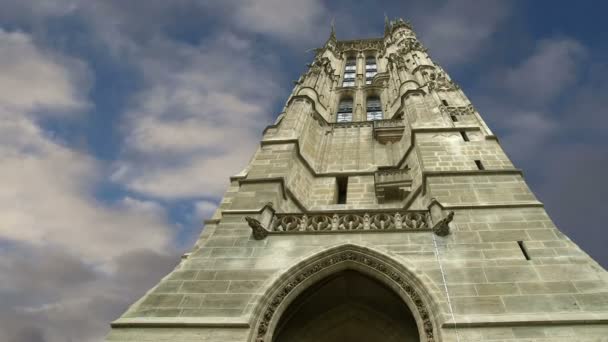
(205, 286)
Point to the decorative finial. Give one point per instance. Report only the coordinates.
(387, 25)
(332, 35)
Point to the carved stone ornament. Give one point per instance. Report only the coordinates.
(397, 61)
(361, 45)
(393, 25)
(457, 110)
(262, 329)
(410, 44)
(259, 232)
(442, 228)
(440, 82)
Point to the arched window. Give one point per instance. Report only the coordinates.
(371, 69)
(345, 110)
(374, 108)
(350, 72)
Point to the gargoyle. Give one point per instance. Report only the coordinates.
(259, 232)
(442, 227)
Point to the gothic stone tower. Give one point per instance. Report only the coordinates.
(378, 207)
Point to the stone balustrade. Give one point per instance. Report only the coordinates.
(350, 221)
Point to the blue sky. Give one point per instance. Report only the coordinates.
(121, 121)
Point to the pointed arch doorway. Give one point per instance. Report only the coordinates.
(347, 306)
(346, 285)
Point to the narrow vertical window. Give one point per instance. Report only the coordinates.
(479, 165)
(524, 251)
(371, 69)
(374, 108)
(350, 73)
(345, 110)
(341, 188)
(464, 135)
(445, 103)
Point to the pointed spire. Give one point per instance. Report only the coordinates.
(332, 35)
(387, 25)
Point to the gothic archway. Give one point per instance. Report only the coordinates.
(302, 282)
(347, 306)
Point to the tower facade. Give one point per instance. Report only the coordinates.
(378, 207)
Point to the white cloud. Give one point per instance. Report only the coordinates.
(205, 209)
(32, 79)
(553, 67)
(199, 118)
(46, 193)
(457, 31)
(292, 21)
(67, 259)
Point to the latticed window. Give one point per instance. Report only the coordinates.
(374, 108)
(350, 73)
(371, 69)
(345, 110)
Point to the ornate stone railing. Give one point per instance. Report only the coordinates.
(351, 124)
(269, 222)
(454, 110)
(390, 130)
(340, 222)
(392, 184)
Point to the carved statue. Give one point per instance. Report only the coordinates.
(442, 228)
(259, 232)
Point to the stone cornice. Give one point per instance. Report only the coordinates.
(183, 322)
(526, 204)
(478, 321)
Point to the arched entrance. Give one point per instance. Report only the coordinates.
(299, 297)
(347, 306)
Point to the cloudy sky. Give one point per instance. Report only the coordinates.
(120, 122)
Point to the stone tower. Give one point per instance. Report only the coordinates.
(378, 207)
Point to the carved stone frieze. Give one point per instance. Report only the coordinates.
(350, 222)
(397, 278)
(360, 45)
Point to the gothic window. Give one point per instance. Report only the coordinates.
(371, 69)
(374, 108)
(350, 73)
(345, 110)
